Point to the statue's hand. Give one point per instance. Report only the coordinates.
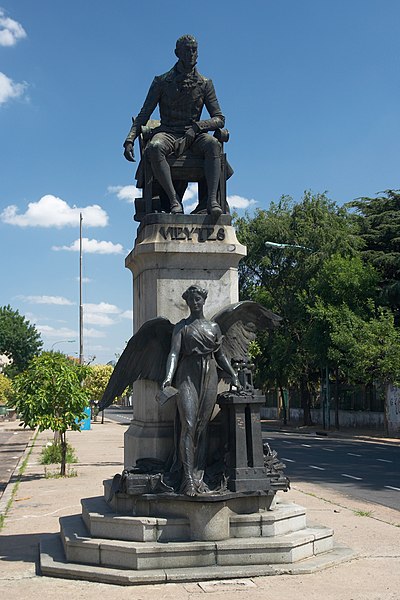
(128, 152)
(190, 136)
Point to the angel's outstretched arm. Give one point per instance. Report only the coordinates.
(173, 356)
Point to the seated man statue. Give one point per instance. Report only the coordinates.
(180, 95)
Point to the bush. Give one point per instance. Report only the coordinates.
(51, 454)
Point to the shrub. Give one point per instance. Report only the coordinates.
(52, 454)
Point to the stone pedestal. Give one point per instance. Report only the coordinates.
(186, 540)
(170, 254)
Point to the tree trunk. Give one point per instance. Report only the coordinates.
(305, 401)
(63, 453)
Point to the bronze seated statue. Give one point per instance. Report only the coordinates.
(186, 168)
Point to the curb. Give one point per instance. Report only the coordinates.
(331, 434)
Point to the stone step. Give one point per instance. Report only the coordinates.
(103, 522)
(79, 547)
(53, 563)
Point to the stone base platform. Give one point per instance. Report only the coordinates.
(121, 548)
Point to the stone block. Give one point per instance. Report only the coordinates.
(244, 526)
(157, 556)
(170, 530)
(78, 546)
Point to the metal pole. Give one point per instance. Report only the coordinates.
(328, 407)
(80, 293)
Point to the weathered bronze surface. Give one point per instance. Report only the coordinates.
(180, 139)
(187, 360)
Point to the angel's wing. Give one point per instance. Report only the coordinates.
(240, 323)
(145, 357)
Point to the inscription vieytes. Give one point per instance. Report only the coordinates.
(199, 234)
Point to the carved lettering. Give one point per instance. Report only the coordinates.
(203, 234)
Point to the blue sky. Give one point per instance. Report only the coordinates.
(310, 91)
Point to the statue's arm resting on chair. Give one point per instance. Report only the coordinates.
(144, 115)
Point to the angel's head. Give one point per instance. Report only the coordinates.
(195, 296)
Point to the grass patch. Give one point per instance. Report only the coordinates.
(363, 513)
(56, 474)
(51, 454)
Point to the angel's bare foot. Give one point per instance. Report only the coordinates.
(202, 488)
(188, 488)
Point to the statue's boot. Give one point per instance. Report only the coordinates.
(176, 207)
(212, 167)
(162, 173)
(213, 208)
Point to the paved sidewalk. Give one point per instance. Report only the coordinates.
(372, 531)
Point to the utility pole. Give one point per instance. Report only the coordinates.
(80, 293)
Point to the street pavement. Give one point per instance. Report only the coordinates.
(371, 530)
(12, 445)
(368, 470)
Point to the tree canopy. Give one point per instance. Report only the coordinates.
(18, 338)
(379, 224)
(312, 274)
(96, 381)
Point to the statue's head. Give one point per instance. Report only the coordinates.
(195, 294)
(186, 50)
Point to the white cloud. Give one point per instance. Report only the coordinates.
(94, 319)
(125, 192)
(190, 197)
(84, 279)
(9, 89)
(127, 314)
(104, 314)
(103, 307)
(65, 333)
(239, 202)
(92, 247)
(58, 300)
(99, 314)
(51, 211)
(62, 333)
(10, 31)
(93, 333)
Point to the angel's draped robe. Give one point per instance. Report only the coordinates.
(197, 381)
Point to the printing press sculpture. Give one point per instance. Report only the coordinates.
(187, 360)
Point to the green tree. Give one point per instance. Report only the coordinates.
(341, 300)
(49, 394)
(96, 381)
(310, 232)
(18, 338)
(379, 226)
(6, 389)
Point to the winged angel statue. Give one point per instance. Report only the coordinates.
(191, 356)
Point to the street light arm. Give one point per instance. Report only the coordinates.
(62, 342)
(276, 245)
